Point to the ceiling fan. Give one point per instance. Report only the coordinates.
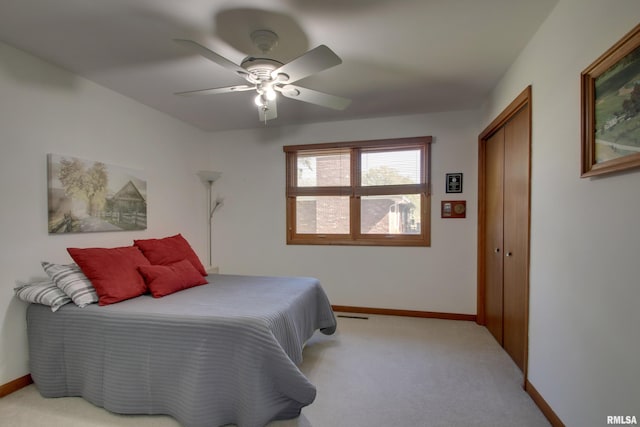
(268, 76)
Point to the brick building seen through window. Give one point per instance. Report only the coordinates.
(371, 192)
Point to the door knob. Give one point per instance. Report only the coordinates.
(496, 250)
(509, 254)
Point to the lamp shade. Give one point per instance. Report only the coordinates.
(209, 176)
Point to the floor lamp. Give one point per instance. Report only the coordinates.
(209, 177)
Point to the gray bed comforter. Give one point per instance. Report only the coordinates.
(222, 353)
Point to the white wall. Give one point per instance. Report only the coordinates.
(249, 230)
(44, 109)
(585, 240)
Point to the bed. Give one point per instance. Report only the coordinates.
(223, 353)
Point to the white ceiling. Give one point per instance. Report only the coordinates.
(399, 56)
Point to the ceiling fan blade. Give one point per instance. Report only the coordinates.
(314, 97)
(214, 91)
(271, 112)
(211, 55)
(314, 61)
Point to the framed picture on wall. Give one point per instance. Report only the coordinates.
(91, 196)
(454, 182)
(610, 110)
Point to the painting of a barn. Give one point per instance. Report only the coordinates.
(128, 207)
(89, 196)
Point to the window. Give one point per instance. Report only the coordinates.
(359, 193)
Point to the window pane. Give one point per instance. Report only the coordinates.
(390, 167)
(322, 215)
(392, 214)
(324, 169)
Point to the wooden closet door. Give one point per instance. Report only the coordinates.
(493, 225)
(516, 234)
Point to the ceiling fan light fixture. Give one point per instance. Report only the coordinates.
(262, 99)
(270, 93)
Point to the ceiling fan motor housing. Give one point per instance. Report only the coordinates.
(260, 69)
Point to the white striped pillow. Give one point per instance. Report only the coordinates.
(44, 292)
(72, 281)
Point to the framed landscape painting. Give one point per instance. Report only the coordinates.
(610, 92)
(89, 196)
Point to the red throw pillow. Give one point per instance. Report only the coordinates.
(112, 271)
(169, 250)
(166, 279)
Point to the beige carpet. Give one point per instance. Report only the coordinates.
(384, 371)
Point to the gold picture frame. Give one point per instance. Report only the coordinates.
(610, 109)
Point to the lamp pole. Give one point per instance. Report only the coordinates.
(208, 177)
(210, 212)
